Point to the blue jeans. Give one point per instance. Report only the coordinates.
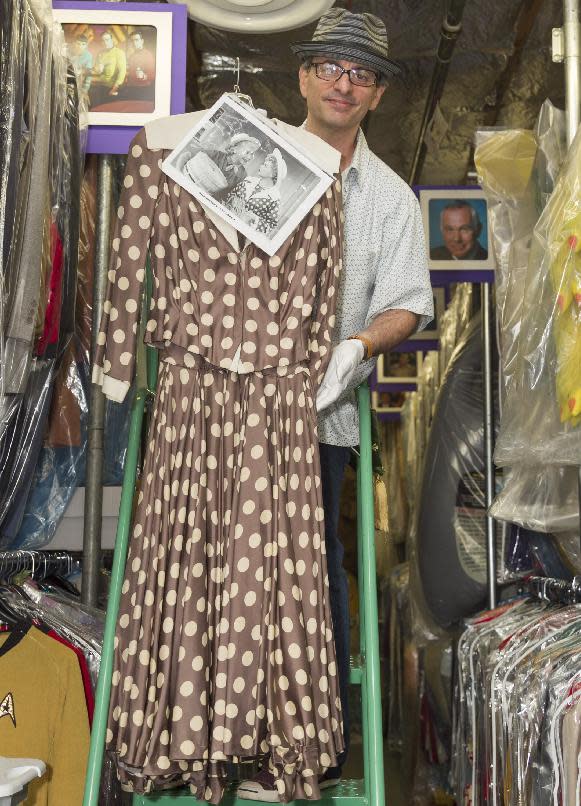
(334, 459)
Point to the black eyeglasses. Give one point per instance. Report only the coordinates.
(331, 71)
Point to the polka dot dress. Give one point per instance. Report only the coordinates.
(249, 198)
(224, 648)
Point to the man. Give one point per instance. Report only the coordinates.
(109, 71)
(385, 294)
(460, 227)
(230, 160)
(82, 59)
(140, 82)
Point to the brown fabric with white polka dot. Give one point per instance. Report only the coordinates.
(224, 647)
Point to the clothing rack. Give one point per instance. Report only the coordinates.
(40, 563)
(558, 591)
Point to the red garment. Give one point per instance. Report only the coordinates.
(87, 685)
(52, 314)
(144, 61)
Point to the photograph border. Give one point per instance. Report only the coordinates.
(110, 138)
(393, 383)
(270, 245)
(453, 270)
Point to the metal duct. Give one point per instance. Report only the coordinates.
(451, 28)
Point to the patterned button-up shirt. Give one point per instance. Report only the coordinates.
(384, 267)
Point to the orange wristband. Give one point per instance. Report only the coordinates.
(367, 344)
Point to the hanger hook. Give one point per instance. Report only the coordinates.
(237, 84)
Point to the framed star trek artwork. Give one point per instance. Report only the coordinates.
(130, 61)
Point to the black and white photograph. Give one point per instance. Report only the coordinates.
(456, 228)
(243, 170)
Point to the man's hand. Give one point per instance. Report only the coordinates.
(344, 361)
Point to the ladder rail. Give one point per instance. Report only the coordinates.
(369, 639)
(103, 692)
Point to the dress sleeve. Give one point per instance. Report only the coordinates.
(116, 342)
(331, 261)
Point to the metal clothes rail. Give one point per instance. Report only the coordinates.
(558, 591)
(40, 563)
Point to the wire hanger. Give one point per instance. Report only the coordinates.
(240, 96)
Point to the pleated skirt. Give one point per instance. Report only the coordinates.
(224, 647)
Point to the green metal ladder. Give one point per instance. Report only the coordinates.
(370, 790)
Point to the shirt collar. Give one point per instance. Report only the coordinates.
(360, 159)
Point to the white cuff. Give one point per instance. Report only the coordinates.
(112, 388)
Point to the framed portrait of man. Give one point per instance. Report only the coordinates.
(456, 227)
(130, 65)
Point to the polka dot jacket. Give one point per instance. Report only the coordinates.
(224, 646)
(242, 311)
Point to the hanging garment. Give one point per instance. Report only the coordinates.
(224, 646)
(43, 714)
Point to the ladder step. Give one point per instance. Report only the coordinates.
(346, 793)
(356, 667)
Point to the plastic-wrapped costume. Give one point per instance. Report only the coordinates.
(518, 171)
(224, 646)
(565, 248)
(547, 380)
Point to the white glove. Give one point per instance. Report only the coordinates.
(345, 359)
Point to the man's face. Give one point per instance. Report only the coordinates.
(81, 45)
(107, 41)
(338, 105)
(137, 41)
(242, 152)
(458, 231)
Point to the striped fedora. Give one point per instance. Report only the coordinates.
(360, 38)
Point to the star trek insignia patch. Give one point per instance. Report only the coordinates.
(7, 708)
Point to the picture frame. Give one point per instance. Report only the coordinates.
(398, 371)
(457, 230)
(387, 404)
(131, 64)
(240, 167)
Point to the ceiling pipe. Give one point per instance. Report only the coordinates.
(572, 36)
(451, 28)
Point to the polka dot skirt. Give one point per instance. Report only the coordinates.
(224, 648)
